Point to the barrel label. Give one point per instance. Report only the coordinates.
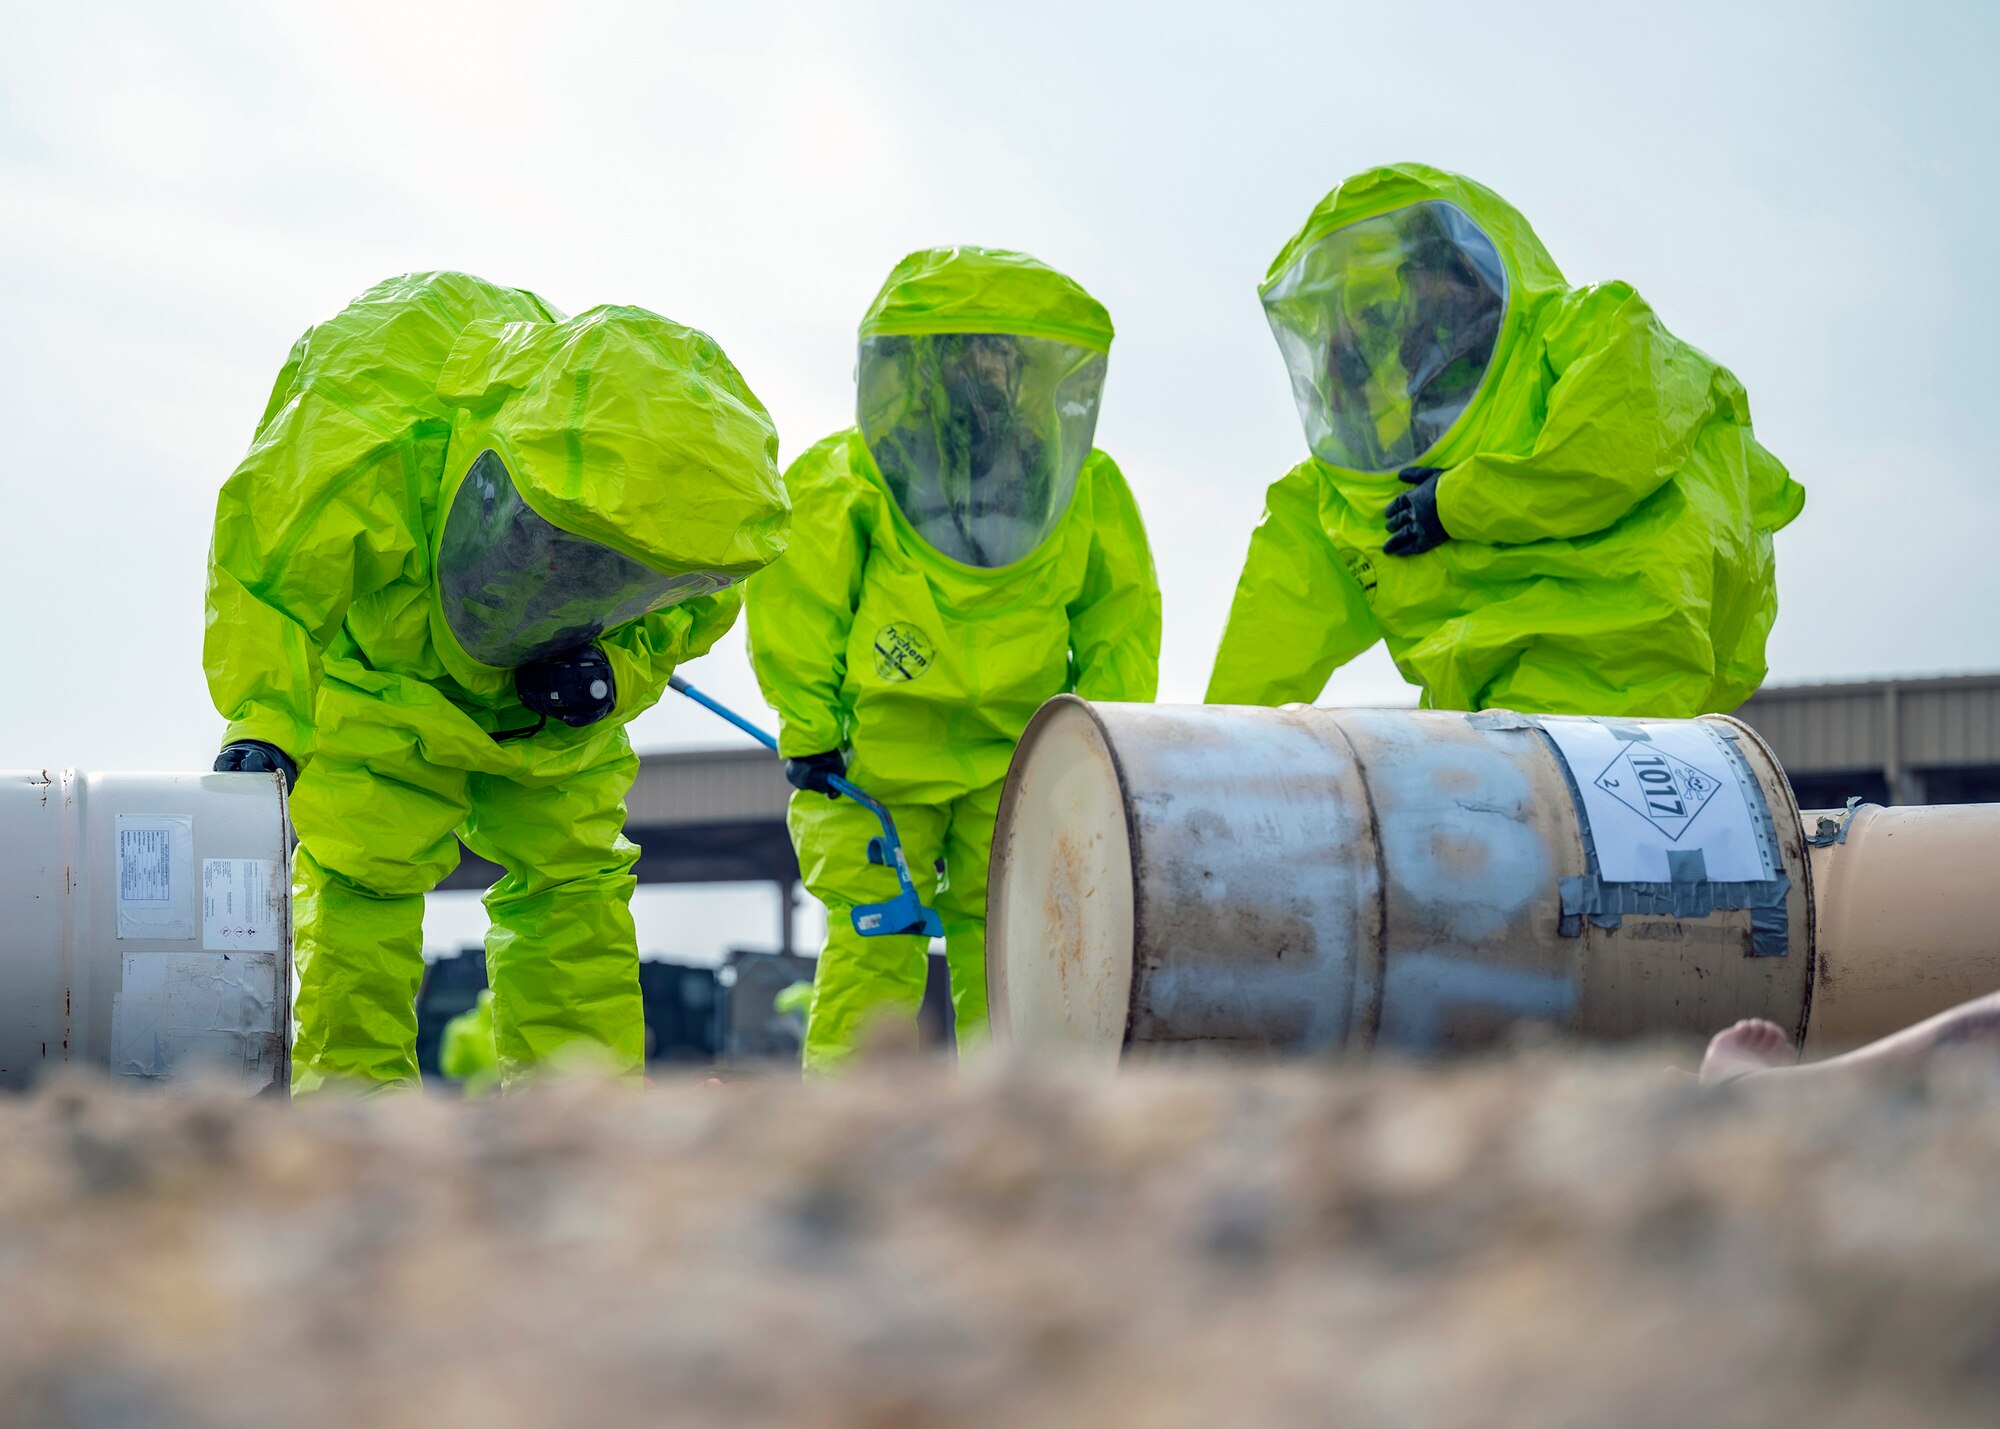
(177, 1012)
(154, 875)
(1662, 801)
(145, 867)
(1668, 793)
(241, 903)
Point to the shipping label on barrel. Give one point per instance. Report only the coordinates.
(241, 904)
(1665, 791)
(1662, 800)
(154, 871)
(176, 1013)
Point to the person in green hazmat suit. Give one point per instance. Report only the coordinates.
(471, 539)
(466, 1050)
(961, 555)
(1538, 497)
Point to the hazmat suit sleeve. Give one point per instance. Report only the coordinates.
(645, 652)
(1627, 405)
(802, 607)
(1299, 613)
(318, 514)
(1114, 622)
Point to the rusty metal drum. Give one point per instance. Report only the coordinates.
(1319, 880)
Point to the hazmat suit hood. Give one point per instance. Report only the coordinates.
(979, 378)
(1396, 306)
(599, 469)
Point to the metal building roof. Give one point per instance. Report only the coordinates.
(707, 786)
(1936, 722)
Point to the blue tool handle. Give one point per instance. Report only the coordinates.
(840, 783)
(675, 682)
(891, 841)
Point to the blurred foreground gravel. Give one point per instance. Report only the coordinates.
(1535, 1241)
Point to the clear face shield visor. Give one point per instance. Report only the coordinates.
(516, 589)
(979, 436)
(1388, 327)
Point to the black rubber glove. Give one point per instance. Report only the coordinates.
(816, 772)
(1414, 524)
(254, 756)
(576, 688)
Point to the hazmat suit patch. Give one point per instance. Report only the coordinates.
(902, 652)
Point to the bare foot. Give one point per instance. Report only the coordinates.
(1752, 1045)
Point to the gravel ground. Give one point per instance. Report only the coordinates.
(1539, 1240)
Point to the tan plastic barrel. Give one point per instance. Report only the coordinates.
(1908, 910)
(1314, 879)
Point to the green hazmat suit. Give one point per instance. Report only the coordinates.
(450, 480)
(467, 1052)
(1609, 508)
(959, 556)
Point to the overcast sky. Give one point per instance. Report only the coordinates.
(1806, 191)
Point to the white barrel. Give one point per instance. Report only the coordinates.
(145, 926)
(1307, 879)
